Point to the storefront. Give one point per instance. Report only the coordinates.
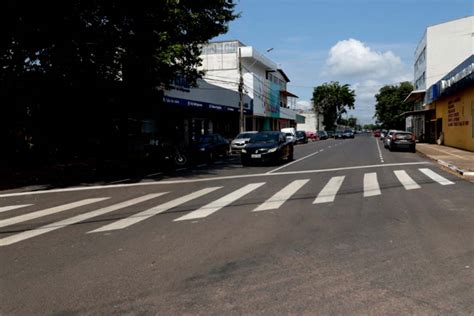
(453, 100)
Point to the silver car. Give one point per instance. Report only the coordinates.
(240, 141)
(388, 138)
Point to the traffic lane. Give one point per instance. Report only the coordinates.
(161, 264)
(360, 151)
(233, 166)
(400, 155)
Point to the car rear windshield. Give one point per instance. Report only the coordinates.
(403, 136)
(299, 133)
(245, 135)
(264, 138)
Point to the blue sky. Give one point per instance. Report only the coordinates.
(366, 43)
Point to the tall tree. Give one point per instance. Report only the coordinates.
(68, 67)
(390, 105)
(332, 100)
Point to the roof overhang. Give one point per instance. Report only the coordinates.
(416, 112)
(288, 94)
(415, 95)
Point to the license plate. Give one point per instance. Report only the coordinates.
(403, 141)
(256, 156)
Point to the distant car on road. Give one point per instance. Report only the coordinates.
(383, 133)
(301, 137)
(270, 147)
(209, 147)
(348, 133)
(290, 133)
(311, 135)
(377, 133)
(338, 135)
(323, 135)
(403, 140)
(240, 141)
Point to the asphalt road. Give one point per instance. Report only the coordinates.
(346, 228)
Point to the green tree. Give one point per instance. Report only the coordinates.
(352, 122)
(332, 100)
(390, 105)
(71, 70)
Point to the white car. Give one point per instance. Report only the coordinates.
(240, 141)
(290, 134)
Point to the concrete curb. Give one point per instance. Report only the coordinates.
(455, 168)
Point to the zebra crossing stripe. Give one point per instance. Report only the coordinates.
(435, 177)
(406, 180)
(73, 220)
(136, 218)
(220, 203)
(328, 193)
(12, 207)
(281, 196)
(371, 185)
(48, 211)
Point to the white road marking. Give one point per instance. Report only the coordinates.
(181, 169)
(293, 162)
(154, 174)
(406, 180)
(75, 219)
(220, 203)
(371, 184)
(328, 193)
(136, 218)
(12, 207)
(380, 152)
(239, 176)
(281, 196)
(201, 165)
(436, 177)
(118, 181)
(48, 211)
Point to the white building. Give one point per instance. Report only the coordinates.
(442, 47)
(312, 122)
(213, 106)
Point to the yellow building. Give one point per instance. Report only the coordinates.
(453, 99)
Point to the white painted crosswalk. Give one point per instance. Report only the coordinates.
(12, 207)
(328, 193)
(371, 185)
(325, 192)
(220, 203)
(281, 196)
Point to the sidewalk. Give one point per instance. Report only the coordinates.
(458, 160)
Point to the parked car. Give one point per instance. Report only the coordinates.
(348, 133)
(311, 135)
(330, 134)
(323, 135)
(388, 138)
(338, 135)
(377, 133)
(301, 137)
(267, 147)
(383, 133)
(240, 140)
(290, 133)
(209, 147)
(403, 140)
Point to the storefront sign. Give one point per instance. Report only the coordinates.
(204, 105)
(454, 117)
(469, 69)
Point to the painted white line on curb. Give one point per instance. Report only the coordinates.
(241, 176)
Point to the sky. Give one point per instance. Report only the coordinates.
(364, 43)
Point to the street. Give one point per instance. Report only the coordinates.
(347, 227)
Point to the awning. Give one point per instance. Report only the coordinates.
(287, 94)
(416, 112)
(415, 95)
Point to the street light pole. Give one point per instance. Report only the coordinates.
(241, 94)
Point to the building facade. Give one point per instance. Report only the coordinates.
(452, 100)
(313, 122)
(442, 47)
(213, 106)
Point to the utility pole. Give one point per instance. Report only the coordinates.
(241, 94)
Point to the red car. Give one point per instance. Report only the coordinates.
(377, 133)
(311, 135)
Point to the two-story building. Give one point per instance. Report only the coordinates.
(442, 47)
(213, 106)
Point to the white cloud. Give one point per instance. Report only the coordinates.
(367, 70)
(304, 105)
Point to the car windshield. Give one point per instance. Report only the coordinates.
(300, 133)
(245, 135)
(288, 134)
(264, 138)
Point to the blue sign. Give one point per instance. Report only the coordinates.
(204, 105)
